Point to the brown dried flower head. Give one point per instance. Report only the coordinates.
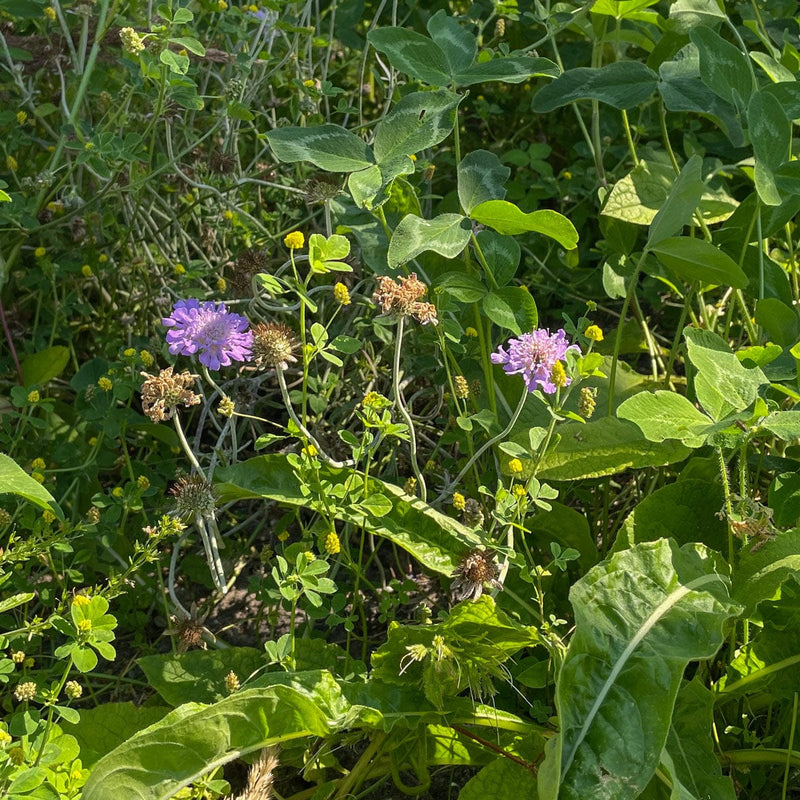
(188, 630)
(162, 393)
(273, 343)
(403, 299)
(476, 568)
(193, 495)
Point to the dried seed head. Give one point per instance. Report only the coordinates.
(322, 188)
(461, 387)
(273, 343)
(475, 569)
(232, 682)
(587, 402)
(403, 299)
(25, 692)
(162, 393)
(472, 514)
(193, 495)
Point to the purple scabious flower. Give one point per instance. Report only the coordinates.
(217, 335)
(533, 355)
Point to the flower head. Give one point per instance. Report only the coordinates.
(294, 240)
(533, 355)
(403, 299)
(341, 293)
(163, 392)
(475, 569)
(273, 343)
(218, 335)
(193, 495)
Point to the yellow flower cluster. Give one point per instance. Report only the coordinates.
(294, 240)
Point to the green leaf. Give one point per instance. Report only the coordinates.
(458, 45)
(481, 176)
(689, 756)
(724, 68)
(619, 9)
(461, 286)
(194, 739)
(509, 69)
(623, 84)
(723, 384)
(177, 63)
(419, 121)
(190, 44)
(512, 308)
(15, 600)
(640, 194)
(14, 480)
(640, 618)
(329, 147)
(770, 130)
(434, 539)
(500, 780)
(665, 415)
(698, 260)
(446, 235)
(502, 254)
(569, 528)
(759, 574)
(605, 446)
(199, 675)
(686, 511)
(413, 54)
(783, 424)
(509, 220)
(779, 320)
(682, 200)
(39, 368)
(325, 254)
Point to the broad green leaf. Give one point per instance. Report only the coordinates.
(39, 368)
(759, 574)
(14, 480)
(434, 539)
(508, 69)
(463, 287)
(783, 424)
(176, 62)
(723, 384)
(107, 726)
(605, 446)
(446, 234)
(771, 661)
(458, 45)
(325, 254)
(696, 12)
(512, 308)
(502, 255)
(569, 528)
(15, 600)
(366, 184)
(623, 84)
(788, 96)
(502, 779)
(698, 260)
(412, 53)
(724, 68)
(771, 136)
(619, 9)
(329, 147)
(686, 511)
(689, 755)
(779, 320)
(481, 177)
(640, 194)
(419, 121)
(665, 415)
(190, 44)
(509, 220)
(784, 499)
(199, 675)
(682, 200)
(195, 739)
(640, 618)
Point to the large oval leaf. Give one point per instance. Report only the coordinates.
(14, 480)
(446, 235)
(412, 53)
(507, 219)
(640, 618)
(698, 260)
(330, 147)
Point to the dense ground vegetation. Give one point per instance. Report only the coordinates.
(399, 399)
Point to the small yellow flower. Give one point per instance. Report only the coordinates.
(38, 463)
(179, 269)
(29, 662)
(33, 397)
(222, 5)
(88, 146)
(38, 477)
(105, 384)
(50, 13)
(253, 8)
(309, 556)
(558, 376)
(81, 600)
(519, 491)
(341, 294)
(294, 240)
(332, 543)
(222, 284)
(147, 359)
(413, 157)
(92, 441)
(309, 451)
(515, 466)
(48, 516)
(11, 163)
(227, 214)
(471, 332)
(17, 755)
(143, 482)
(594, 332)
(73, 690)
(4, 738)
(86, 271)
(283, 536)
(22, 117)
(102, 258)
(226, 407)
(51, 148)
(117, 492)
(130, 352)
(18, 656)
(567, 175)
(309, 84)
(459, 501)
(84, 625)
(40, 252)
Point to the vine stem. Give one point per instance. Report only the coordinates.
(481, 450)
(401, 407)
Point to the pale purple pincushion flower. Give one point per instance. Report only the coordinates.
(533, 356)
(217, 335)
